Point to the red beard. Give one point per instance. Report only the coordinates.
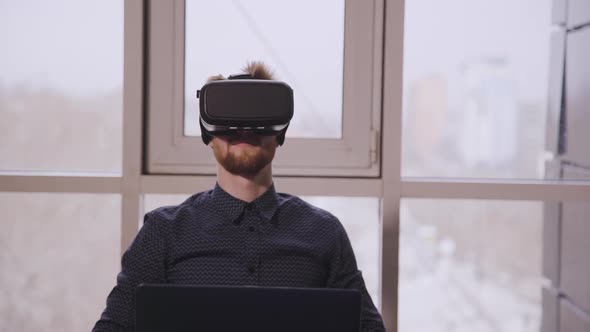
(249, 161)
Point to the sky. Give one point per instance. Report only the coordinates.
(74, 46)
(440, 36)
(77, 46)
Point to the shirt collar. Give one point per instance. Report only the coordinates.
(232, 207)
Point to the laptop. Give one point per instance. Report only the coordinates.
(180, 308)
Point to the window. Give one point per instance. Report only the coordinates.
(308, 58)
(59, 258)
(61, 77)
(476, 89)
(494, 91)
(471, 265)
(337, 83)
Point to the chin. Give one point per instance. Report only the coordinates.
(244, 164)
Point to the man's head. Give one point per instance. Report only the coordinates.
(245, 152)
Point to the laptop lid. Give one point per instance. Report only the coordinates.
(166, 307)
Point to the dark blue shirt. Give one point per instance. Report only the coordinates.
(214, 238)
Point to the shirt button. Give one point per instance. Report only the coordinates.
(251, 269)
(251, 229)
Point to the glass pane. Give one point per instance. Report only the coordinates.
(154, 201)
(61, 77)
(360, 217)
(475, 88)
(304, 48)
(59, 255)
(470, 265)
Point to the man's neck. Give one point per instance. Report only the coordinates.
(246, 188)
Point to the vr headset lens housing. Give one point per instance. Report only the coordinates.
(262, 106)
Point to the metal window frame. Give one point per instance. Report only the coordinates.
(390, 187)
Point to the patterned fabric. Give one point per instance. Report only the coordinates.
(214, 238)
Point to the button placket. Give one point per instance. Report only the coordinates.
(250, 234)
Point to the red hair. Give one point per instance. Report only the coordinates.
(257, 69)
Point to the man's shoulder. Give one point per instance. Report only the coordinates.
(295, 207)
(172, 213)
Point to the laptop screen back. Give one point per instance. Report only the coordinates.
(182, 308)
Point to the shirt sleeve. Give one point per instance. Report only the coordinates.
(344, 273)
(143, 262)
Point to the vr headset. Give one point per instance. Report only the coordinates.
(240, 103)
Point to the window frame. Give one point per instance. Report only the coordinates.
(169, 151)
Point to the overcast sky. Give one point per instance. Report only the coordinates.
(70, 45)
(77, 46)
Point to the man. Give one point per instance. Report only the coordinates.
(241, 232)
